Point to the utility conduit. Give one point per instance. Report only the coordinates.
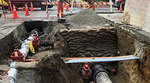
(12, 73)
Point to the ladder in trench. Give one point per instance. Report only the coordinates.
(99, 59)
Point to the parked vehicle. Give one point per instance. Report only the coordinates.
(36, 3)
(118, 3)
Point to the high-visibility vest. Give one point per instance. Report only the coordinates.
(4, 3)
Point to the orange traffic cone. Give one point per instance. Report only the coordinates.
(32, 7)
(120, 7)
(67, 8)
(14, 12)
(27, 11)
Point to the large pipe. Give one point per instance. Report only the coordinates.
(12, 73)
(25, 46)
(102, 77)
(100, 74)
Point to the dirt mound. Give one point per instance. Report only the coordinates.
(86, 17)
(53, 70)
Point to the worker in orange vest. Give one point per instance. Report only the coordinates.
(60, 7)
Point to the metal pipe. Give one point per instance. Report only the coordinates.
(100, 59)
(12, 73)
(102, 77)
(46, 43)
(25, 46)
(100, 74)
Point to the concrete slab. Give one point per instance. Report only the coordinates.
(115, 17)
(136, 11)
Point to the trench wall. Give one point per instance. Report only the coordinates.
(10, 42)
(89, 42)
(14, 39)
(137, 42)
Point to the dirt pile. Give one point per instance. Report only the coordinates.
(86, 17)
(53, 70)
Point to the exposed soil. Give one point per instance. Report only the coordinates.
(85, 18)
(84, 36)
(53, 70)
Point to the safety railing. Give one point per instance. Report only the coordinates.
(24, 10)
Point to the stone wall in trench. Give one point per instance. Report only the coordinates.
(132, 41)
(88, 42)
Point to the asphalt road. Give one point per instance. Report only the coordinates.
(8, 25)
(38, 14)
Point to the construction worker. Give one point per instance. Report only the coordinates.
(5, 4)
(60, 7)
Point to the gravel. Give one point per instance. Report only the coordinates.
(86, 17)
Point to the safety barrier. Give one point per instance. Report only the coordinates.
(23, 12)
(82, 4)
(46, 3)
(78, 4)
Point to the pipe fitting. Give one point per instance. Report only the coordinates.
(17, 55)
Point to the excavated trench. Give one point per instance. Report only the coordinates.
(79, 42)
(72, 40)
